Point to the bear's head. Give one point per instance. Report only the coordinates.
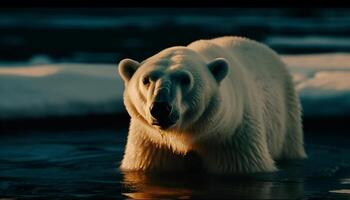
(172, 89)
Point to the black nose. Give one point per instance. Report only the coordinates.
(160, 110)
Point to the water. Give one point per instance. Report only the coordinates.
(84, 165)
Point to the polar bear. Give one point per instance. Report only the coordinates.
(225, 105)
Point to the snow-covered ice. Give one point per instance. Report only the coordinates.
(65, 89)
(323, 83)
(59, 90)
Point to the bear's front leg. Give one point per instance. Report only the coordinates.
(245, 152)
(238, 161)
(143, 155)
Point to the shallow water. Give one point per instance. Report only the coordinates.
(84, 165)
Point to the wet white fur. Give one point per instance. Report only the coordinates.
(242, 124)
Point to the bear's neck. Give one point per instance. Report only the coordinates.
(219, 119)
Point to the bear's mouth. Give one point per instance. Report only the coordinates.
(163, 124)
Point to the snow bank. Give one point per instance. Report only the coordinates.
(59, 90)
(323, 83)
(66, 89)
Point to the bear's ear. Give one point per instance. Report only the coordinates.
(219, 68)
(127, 67)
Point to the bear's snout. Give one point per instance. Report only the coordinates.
(161, 112)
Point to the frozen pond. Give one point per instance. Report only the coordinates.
(83, 164)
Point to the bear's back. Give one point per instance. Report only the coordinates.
(209, 50)
(245, 56)
(255, 57)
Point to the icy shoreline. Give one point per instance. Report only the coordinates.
(69, 89)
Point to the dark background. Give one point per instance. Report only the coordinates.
(107, 34)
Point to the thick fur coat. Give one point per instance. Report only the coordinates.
(232, 109)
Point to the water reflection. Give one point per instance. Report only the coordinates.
(344, 187)
(138, 185)
(148, 186)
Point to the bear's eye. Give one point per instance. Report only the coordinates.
(185, 80)
(145, 80)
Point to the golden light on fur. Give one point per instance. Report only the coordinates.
(230, 102)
